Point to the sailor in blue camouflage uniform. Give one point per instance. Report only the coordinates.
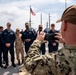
(53, 45)
(64, 61)
(8, 38)
(27, 37)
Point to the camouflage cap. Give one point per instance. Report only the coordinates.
(69, 15)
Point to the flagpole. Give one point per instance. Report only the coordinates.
(49, 20)
(41, 18)
(30, 16)
(65, 4)
(46, 24)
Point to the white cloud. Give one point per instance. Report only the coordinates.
(28, 3)
(67, 1)
(17, 13)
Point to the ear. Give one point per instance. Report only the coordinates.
(65, 26)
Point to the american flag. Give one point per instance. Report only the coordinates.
(32, 12)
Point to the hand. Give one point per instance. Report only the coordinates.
(59, 36)
(8, 44)
(41, 36)
(54, 44)
(44, 41)
(28, 40)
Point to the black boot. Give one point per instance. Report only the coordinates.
(1, 66)
(18, 62)
(5, 66)
(13, 64)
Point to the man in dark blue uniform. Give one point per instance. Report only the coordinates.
(8, 38)
(1, 47)
(27, 37)
(53, 45)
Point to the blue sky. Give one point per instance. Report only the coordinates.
(17, 12)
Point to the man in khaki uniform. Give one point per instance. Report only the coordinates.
(64, 62)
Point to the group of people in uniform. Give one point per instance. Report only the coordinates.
(52, 44)
(20, 41)
(10, 40)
